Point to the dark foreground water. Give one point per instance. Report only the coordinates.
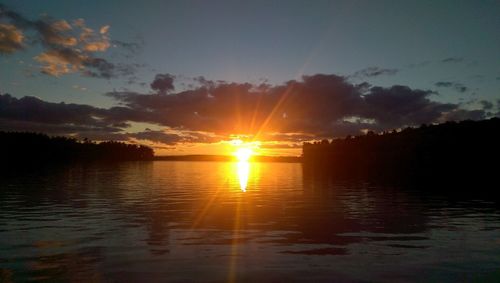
(258, 222)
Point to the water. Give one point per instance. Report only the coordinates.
(212, 222)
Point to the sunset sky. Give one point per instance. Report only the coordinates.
(186, 77)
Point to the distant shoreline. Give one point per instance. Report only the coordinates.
(227, 158)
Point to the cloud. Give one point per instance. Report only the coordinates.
(241, 108)
(79, 87)
(131, 48)
(281, 145)
(452, 60)
(170, 138)
(317, 105)
(99, 68)
(57, 129)
(314, 107)
(374, 72)
(61, 25)
(11, 38)
(163, 83)
(398, 106)
(78, 120)
(104, 29)
(32, 109)
(67, 47)
(487, 105)
(455, 85)
(462, 114)
(56, 62)
(288, 137)
(444, 84)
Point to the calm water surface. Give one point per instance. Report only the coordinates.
(212, 222)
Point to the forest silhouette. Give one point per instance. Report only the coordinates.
(34, 148)
(451, 152)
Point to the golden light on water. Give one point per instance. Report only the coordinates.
(243, 151)
(243, 169)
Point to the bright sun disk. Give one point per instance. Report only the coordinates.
(243, 154)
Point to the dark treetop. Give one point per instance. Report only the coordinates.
(28, 148)
(464, 151)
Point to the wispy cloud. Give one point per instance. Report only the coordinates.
(374, 72)
(452, 60)
(455, 85)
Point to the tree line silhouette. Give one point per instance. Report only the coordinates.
(452, 151)
(23, 147)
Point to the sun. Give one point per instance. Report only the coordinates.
(243, 151)
(243, 154)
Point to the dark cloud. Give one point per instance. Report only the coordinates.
(163, 83)
(401, 106)
(374, 72)
(35, 115)
(32, 109)
(444, 84)
(462, 114)
(288, 137)
(132, 48)
(174, 138)
(281, 145)
(244, 108)
(452, 60)
(455, 85)
(99, 68)
(461, 88)
(55, 128)
(487, 105)
(158, 137)
(317, 106)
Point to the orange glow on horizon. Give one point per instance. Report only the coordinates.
(226, 147)
(243, 154)
(243, 151)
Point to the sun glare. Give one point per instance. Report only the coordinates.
(243, 151)
(243, 154)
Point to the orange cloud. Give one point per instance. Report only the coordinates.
(11, 38)
(68, 47)
(61, 25)
(57, 63)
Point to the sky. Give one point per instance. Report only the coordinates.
(186, 77)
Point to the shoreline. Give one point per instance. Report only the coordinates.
(227, 158)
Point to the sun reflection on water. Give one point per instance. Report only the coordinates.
(243, 153)
(243, 171)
